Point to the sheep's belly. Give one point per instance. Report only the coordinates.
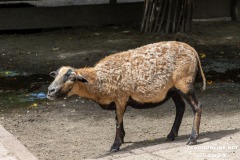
(110, 106)
(144, 105)
(134, 104)
(138, 105)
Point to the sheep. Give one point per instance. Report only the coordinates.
(144, 77)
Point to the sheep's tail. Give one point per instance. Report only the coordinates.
(201, 71)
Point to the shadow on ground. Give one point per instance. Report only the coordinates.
(179, 141)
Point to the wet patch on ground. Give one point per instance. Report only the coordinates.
(22, 89)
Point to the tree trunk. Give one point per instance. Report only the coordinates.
(167, 16)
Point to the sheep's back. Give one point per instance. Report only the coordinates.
(146, 70)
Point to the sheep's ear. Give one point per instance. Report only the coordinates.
(81, 79)
(53, 74)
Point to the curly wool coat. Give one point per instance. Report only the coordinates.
(145, 74)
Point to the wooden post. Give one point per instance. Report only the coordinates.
(235, 10)
(167, 16)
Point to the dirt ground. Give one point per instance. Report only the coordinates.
(75, 128)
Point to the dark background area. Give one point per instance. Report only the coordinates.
(25, 15)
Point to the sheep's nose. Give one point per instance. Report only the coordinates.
(51, 91)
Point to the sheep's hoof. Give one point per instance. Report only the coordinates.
(115, 148)
(170, 137)
(192, 141)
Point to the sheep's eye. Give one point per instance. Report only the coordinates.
(65, 78)
(72, 78)
(69, 76)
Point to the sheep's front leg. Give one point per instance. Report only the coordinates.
(120, 133)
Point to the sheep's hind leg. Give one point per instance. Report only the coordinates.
(120, 133)
(180, 108)
(197, 110)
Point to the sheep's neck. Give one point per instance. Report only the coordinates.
(81, 90)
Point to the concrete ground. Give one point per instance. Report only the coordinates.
(11, 148)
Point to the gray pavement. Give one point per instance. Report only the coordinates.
(11, 148)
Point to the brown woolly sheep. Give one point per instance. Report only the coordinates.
(142, 78)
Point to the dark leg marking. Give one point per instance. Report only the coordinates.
(119, 138)
(180, 108)
(120, 133)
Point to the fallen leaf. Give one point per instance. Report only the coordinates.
(202, 55)
(152, 140)
(209, 82)
(34, 105)
(55, 49)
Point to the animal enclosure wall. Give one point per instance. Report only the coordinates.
(22, 15)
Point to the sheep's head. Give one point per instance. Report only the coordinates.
(65, 77)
